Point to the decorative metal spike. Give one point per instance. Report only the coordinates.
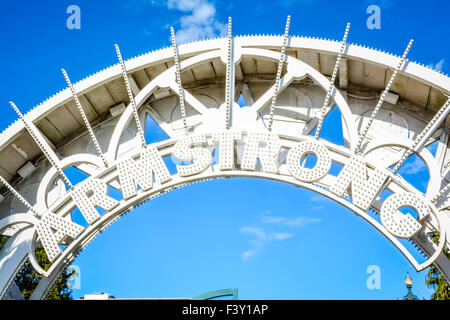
(382, 97)
(131, 97)
(41, 145)
(333, 78)
(178, 79)
(85, 119)
(18, 196)
(280, 67)
(229, 85)
(441, 193)
(423, 137)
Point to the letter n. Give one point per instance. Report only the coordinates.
(363, 190)
(140, 172)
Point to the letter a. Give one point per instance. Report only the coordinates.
(374, 21)
(74, 20)
(52, 229)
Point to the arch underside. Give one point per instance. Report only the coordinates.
(302, 92)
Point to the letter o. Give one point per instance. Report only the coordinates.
(321, 168)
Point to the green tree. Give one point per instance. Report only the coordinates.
(3, 240)
(28, 279)
(435, 279)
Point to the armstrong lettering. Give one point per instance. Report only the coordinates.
(260, 151)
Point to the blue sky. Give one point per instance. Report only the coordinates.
(268, 239)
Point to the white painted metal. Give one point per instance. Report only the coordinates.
(178, 77)
(18, 196)
(83, 116)
(210, 69)
(45, 148)
(382, 97)
(130, 96)
(280, 67)
(229, 86)
(333, 79)
(423, 137)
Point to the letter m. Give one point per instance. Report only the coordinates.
(140, 172)
(363, 190)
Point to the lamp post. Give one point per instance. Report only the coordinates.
(409, 283)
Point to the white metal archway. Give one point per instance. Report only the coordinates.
(289, 84)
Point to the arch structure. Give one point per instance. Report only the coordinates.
(213, 101)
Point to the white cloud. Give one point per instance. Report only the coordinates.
(438, 66)
(273, 219)
(321, 200)
(302, 221)
(414, 167)
(317, 198)
(292, 222)
(261, 236)
(263, 214)
(282, 235)
(183, 5)
(199, 22)
(248, 254)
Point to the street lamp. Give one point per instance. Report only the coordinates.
(409, 283)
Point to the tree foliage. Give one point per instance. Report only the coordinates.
(28, 279)
(436, 280)
(3, 240)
